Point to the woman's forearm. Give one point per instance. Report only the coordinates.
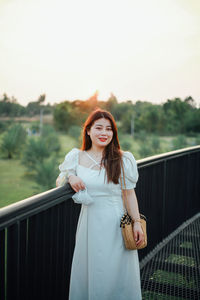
(57, 181)
(131, 203)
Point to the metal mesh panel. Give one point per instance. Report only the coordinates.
(172, 270)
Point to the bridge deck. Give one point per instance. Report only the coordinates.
(172, 270)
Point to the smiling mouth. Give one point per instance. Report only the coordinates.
(103, 139)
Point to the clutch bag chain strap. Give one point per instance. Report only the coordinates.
(126, 219)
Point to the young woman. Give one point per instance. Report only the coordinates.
(102, 268)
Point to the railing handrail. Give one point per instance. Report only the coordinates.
(166, 155)
(29, 206)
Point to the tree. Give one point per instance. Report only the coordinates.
(175, 111)
(126, 120)
(39, 148)
(51, 138)
(13, 140)
(112, 104)
(63, 116)
(46, 173)
(10, 107)
(35, 152)
(190, 101)
(92, 102)
(192, 121)
(41, 99)
(34, 107)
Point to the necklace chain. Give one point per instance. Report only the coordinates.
(97, 157)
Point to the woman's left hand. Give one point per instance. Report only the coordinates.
(138, 233)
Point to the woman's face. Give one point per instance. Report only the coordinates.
(101, 132)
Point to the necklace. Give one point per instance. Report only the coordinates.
(98, 158)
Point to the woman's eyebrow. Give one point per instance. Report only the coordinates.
(102, 125)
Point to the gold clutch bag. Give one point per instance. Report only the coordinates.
(127, 231)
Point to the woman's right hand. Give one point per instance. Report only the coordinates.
(76, 183)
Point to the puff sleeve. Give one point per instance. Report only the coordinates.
(130, 171)
(69, 165)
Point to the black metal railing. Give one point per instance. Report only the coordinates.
(37, 235)
(168, 191)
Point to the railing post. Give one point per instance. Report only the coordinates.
(164, 198)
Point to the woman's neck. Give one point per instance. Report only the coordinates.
(96, 150)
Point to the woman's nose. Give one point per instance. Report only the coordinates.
(103, 131)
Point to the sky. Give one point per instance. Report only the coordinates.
(146, 50)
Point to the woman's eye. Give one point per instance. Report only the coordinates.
(100, 128)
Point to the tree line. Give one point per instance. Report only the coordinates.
(175, 116)
(9, 107)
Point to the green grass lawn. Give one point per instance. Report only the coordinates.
(67, 143)
(14, 185)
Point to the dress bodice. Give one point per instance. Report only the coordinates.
(71, 164)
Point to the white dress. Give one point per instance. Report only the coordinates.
(102, 268)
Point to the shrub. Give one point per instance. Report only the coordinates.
(35, 152)
(145, 150)
(126, 145)
(197, 140)
(13, 140)
(179, 142)
(46, 173)
(51, 138)
(141, 136)
(39, 148)
(155, 144)
(75, 131)
(4, 125)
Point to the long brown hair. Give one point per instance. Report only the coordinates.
(112, 154)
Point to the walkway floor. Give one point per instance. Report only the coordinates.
(172, 270)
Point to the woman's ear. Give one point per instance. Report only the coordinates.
(88, 132)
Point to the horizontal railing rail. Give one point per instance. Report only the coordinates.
(32, 205)
(37, 235)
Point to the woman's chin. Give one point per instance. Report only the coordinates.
(104, 144)
(101, 144)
